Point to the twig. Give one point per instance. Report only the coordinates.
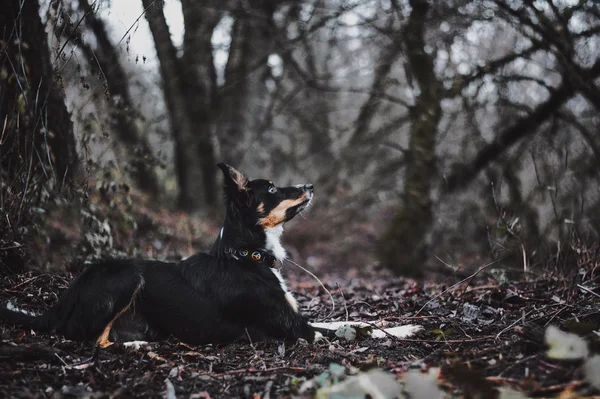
(516, 363)
(588, 290)
(73, 32)
(322, 285)
(457, 284)
(537, 389)
(343, 299)
(513, 324)
(3, 129)
(134, 22)
(256, 355)
(556, 314)
(26, 281)
(375, 326)
(524, 260)
(251, 370)
(60, 358)
(444, 263)
(453, 341)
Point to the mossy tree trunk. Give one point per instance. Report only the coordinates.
(404, 244)
(37, 144)
(189, 143)
(200, 19)
(32, 102)
(244, 95)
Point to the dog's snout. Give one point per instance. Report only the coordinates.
(309, 187)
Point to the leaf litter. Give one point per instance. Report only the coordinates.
(480, 338)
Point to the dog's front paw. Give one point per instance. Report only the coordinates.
(318, 337)
(136, 345)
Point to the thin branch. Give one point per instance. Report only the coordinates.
(526, 126)
(469, 278)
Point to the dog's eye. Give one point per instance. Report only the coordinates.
(272, 189)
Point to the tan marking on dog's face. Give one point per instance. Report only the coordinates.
(277, 215)
(260, 208)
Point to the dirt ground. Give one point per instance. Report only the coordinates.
(481, 334)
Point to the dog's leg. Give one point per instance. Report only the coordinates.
(283, 322)
(323, 333)
(92, 301)
(103, 341)
(95, 299)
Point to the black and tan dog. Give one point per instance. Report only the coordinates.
(233, 292)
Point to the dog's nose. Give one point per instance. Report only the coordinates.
(309, 187)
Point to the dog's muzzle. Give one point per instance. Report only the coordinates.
(309, 191)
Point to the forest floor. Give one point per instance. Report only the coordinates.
(480, 334)
(477, 335)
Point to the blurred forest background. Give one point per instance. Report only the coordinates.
(439, 133)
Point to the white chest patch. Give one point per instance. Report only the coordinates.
(273, 243)
(288, 295)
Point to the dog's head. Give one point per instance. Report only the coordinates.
(260, 202)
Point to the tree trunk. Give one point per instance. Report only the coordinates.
(123, 113)
(37, 131)
(201, 90)
(403, 246)
(245, 93)
(187, 149)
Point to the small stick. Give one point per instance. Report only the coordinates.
(256, 355)
(586, 289)
(457, 284)
(322, 285)
(25, 281)
(250, 370)
(343, 299)
(513, 324)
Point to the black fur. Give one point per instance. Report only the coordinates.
(207, 298)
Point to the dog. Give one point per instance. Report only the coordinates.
(235, 292)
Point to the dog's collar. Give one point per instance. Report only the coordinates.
(252, 255)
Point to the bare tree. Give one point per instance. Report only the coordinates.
(37, 144)
(123, 113)
(403, 246)
(200, 20)
(201, 113)
(189, 145)
(549, 33)
(244, 95)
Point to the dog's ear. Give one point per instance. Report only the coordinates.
(233, 177)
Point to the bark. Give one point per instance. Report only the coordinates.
(123, 114)
(404, 246)
(187, 149)
(245, 93)
(200, 20)
(36, 128)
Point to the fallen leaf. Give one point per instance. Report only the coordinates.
(564, 345)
